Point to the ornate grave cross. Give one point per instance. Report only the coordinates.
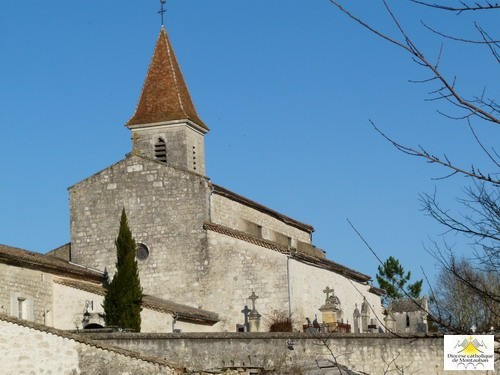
(246, 311)
(327, 291)
(253, 297)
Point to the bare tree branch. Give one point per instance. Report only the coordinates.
(411, 48)
(477, 277)
(465, 295)
(489, 41)
(484, 41)
(434, 159)
(460, 9)
(491, 157)
(481, 225)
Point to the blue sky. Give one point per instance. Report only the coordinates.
(287, 89)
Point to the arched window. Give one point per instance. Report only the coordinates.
(161, 150)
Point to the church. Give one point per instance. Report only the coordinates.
(210, 260)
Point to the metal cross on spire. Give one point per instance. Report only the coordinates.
(162, 10)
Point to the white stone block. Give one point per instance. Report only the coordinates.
(135, 168)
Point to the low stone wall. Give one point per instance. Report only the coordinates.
(286, 352)
(29, 348)
(371, 354)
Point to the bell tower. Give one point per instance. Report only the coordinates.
(165, 125)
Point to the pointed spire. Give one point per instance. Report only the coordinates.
(165, 96)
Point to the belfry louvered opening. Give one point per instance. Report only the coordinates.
(161, 150)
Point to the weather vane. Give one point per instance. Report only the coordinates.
(162, 10)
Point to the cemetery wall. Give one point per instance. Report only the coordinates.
(29, 348)
(374, 354)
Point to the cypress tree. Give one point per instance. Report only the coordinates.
(123, 300)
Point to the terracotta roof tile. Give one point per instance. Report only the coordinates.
(165, 96)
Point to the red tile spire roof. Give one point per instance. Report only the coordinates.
(165, 96)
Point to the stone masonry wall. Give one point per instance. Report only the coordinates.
(185, 146)
(166, 208)
(35, 350)
(227, 212)
(238, 268)
(62, 252)
(235, 270)
(69, 304)
(34, 286)
(371, 354)
(195, 144)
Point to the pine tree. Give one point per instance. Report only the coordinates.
(392, 278)
(123, 300)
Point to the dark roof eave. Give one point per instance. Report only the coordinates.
(41, 262)
(209, 318)
(198, 320)
(52, 269)
(333, 266)
(377, 291)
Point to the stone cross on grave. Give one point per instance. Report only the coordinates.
(245, 311)
(327, 291)
(254, 316)
(253, 297)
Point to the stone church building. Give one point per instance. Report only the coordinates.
(202, 250)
